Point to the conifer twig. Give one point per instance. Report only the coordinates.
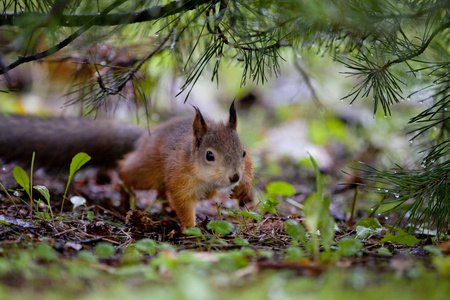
(62, 44)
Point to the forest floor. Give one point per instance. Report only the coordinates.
(93, 251)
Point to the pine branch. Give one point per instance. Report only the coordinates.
(435, 120)
(428, 190)
(434, 8)
(87, 22)
(130, 74)
(378, 80)
(94, 92)
(421, 49)
(153, 13)
(62, 44)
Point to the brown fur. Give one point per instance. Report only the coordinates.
(173, 161)
(56, 140)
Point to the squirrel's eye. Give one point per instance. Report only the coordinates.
(244, 153)
(209, 156)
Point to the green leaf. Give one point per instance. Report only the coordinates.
(442, 265)
(248, 252)
(401, 237)
(43, 191)
(87, 256)
(220, 227)
(371, 223)
(313, 211)
(294, 253)
(195, 231)
(349, 247)
(131, 255)
(327, 231)
(105, 249)
(280, 188)
(90, 215)
(240, 242)
(384, 251)
(77, 162)
(231, 260)
(318, 178)
(166, 247)
(296, 231)
(265, 253)
(147, 245)
(329, 256)
(272, 201)
(366, 227)
(433, 250)
(5, 223)
(22, 179)
(250, 214)
(45, 252)
(235, 212)
(270, 204)
(43, 215)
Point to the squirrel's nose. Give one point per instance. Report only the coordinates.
(235, 178)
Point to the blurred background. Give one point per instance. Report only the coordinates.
(287, 107)
(297, 112)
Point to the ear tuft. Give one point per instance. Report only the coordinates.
(199, 127)
(232, 121)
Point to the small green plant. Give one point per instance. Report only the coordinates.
(45, 193)
(23, 180)
(245, 214)
(87, 256)
(241, 242)
(220, 227)
(45, 252)
(317, 216)
(401, 237)
(273, 190)
(147, 245)
(296, 231)
(384, 251)
(77, 162)
(104, 249)
(78, 201)
(26, 183)
(348, 247)
(195, 231)
(366, 227)
(294, 253)
(320, 227)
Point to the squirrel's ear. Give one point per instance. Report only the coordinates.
(199, 127)
(232, 122)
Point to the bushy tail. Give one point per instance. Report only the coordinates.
(56, 140)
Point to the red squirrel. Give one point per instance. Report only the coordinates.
(184, 159)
